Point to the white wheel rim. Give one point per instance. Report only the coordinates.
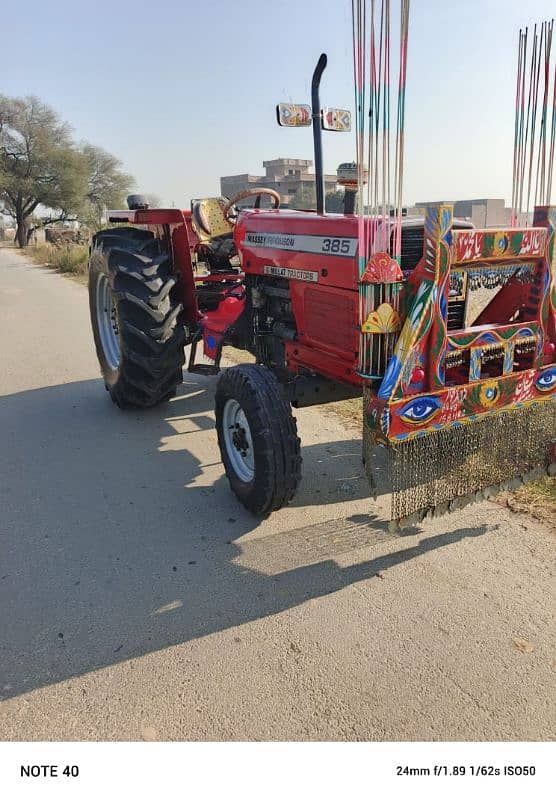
(238, 441)
(107, 321)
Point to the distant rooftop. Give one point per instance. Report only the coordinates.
(297, 162)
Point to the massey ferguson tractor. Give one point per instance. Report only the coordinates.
(458, 396)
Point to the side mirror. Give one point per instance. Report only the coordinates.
(293, 116)
(336, 119)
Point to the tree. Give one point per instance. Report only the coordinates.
(39, 164)
(334, 202)
(306, 197)
(43, 170)
(107, 185)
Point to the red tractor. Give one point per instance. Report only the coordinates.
(285, 286)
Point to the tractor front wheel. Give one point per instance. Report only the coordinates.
(257, 436)
(134, 316)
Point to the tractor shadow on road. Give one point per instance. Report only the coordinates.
(120, 536)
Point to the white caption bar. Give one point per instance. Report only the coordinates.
(345, 246)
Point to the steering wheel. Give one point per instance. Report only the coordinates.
(256, 192)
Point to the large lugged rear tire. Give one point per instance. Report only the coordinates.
(134, 316)
(257, 436)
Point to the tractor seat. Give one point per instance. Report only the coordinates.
(209, 220)
(215, 232)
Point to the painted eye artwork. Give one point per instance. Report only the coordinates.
(500, 244)
(546, 380)
(420, 410)
(488, 394)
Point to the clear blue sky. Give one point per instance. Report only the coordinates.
(183, 92)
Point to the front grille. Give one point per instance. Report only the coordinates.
(412, 247)
(412, 243)
(330, 317)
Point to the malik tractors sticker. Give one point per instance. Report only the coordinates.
(289, 272)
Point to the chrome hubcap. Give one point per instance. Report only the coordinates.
(238, 441)
(107, 320)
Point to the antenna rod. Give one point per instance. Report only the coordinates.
(317, 131)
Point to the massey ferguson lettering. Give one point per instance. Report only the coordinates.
(271, 240)
(345, 246)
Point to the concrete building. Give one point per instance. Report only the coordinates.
(484, 212)
(285, 175)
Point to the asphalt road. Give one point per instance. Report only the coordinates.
(138, 600)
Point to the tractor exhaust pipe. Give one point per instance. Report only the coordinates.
(317, 131)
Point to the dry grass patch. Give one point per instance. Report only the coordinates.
(238, 356)
(537, 498)
(69, 259)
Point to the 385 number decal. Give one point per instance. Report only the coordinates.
(335, 246)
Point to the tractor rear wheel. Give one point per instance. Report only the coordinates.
(257, 436)
(134, 316)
